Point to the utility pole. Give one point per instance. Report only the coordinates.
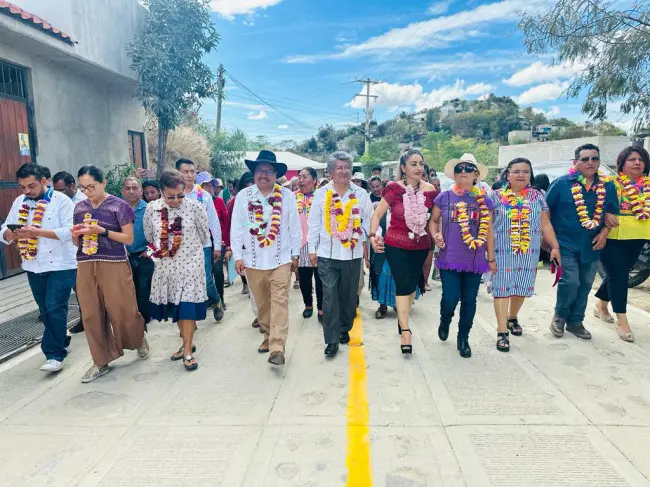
(367, 96)
(221, 82)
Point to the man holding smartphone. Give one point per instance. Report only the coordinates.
(42, 222)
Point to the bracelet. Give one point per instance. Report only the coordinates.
(490, 261)
(105, 234)
(372, 235)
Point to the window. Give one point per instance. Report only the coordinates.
(137, 155)
(12, 81)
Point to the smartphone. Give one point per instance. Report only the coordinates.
(13, 226)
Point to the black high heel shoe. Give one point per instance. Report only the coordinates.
(443, 332)
(462, 343)
(406, 349)
(399, 330)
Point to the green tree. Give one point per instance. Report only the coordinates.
(260, 142)
(573, 132)
(610, 41)
(168, 58)
(386, 149)
(608, 128)
(432, 119)
(227, 151)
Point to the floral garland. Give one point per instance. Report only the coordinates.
(579, 200)
(463, 217)
(304, 202)
(636, 196)
(518, 209)
(27, 246)
(199, 193)
(259, 226)
(344, 224)
(89, 242)
(156, 253)
(416, 214)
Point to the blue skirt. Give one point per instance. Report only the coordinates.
(177, 312)
(384, 291)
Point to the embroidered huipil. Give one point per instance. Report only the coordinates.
(246, 246)
(320, 241)
(51, 255)
(304, 226)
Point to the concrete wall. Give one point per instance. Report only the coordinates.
(563, 150)
(101, 28)
(81, 116)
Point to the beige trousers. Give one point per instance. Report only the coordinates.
(271, 291)
(109, 308)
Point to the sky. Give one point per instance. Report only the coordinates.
(295, 62)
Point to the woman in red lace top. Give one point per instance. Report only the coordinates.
(407, 242)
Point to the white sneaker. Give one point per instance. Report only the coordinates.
(52, 365)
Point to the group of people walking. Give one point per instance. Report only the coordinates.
(156, 253)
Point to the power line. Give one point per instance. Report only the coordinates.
(367, 96)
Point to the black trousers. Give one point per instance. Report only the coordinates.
(618, 258)
(217, 272)
(306, 288)
(142, 269)
(340, 280)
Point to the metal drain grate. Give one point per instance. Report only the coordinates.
(22, 333)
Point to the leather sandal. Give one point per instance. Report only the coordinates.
(180, 354)
(503, 342)
(406, 349)
(514, 327)
(187, 363)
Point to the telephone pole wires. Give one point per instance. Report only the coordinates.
(367, 96)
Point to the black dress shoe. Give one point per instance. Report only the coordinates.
(332, 349)
(308, 313)
(78, 328)
(462, 343)
(344, 338)
(217, 312)
(320, 318)
(443, 332)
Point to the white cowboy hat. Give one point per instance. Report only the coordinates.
(358, 176)
(467, 158)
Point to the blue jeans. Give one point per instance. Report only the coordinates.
(213, 295)
(574, 287)
(51, 292)
(463, 287)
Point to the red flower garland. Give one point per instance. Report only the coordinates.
(176, 229)
(259, 226)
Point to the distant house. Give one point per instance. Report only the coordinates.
(66, 89)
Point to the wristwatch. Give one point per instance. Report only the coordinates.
(105, 234)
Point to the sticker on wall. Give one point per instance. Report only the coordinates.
(23, 142)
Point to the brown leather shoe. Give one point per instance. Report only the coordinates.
(264, 347)
(276, 358)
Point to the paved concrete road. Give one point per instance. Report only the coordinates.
(552, 412)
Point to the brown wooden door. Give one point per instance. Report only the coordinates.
(13, 121)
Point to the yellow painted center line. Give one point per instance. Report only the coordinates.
(358, 432)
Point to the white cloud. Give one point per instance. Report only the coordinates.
(230, 8)
(400, 97)
(435, 32)
(439, 8)
(544, 92)
(249, 106)
(283, 127)
(539, 73)
(553, 112)
(257, 116)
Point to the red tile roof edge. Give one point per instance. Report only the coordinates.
(35, 21)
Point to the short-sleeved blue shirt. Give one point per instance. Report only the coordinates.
(571, 235)
(139, 242)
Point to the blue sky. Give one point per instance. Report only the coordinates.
(302, 57)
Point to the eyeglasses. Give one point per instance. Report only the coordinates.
(587, 159)
(87, 189)
(467, 169)
(265, 172)
(173, 197)
(520, 173)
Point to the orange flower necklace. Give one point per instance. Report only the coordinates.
(27, 246)
(462, 216)
(518, 209)
(579, 200)
(636, 195)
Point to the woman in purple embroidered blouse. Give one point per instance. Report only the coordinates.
(103, 225)
(461, 226)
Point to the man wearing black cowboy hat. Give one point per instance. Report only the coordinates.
(266, 237)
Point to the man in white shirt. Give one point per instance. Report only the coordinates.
(265, 237)
(196, 193)
(339, 254)
(64, 183)
(40, 223)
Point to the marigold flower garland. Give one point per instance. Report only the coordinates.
(344, 224)
(416, 213)
(579, 200)
(636, 196)
(518, 209)
(259, 226)
(89, 242)
(462, 215)
(176, 229)
(27, 246)
(303, 201)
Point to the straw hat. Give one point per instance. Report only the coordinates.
(469, 159)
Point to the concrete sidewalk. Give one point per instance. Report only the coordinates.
(551, 412)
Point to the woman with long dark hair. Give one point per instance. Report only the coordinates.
(105, 289)
(407, 242)
(521, 220)
(625, 242)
